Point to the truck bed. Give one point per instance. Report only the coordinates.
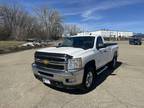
(110, 44)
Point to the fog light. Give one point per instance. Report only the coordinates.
(70, 80)
(33, 65)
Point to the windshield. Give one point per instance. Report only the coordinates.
(79, 42)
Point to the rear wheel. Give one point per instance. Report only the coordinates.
(113, 63)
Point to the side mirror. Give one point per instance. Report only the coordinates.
(60, 44)
(100, 46)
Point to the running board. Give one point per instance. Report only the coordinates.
(102, 70)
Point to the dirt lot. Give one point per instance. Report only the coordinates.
(122, 88)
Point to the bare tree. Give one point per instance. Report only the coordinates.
(56, 28)
(71, 29)
(15, 20)
(51, 22)
(17, 23)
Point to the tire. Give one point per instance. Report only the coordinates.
(113, 63)
(88, 79)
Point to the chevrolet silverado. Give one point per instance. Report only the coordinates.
(75, 61)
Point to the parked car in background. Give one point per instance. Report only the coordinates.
(135, 41)
(36, 43)
(43, 43)
(28, 44)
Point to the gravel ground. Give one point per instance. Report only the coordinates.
(121, 88)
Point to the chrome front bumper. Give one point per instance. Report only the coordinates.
(66, 78)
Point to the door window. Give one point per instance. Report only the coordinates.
(99, 42)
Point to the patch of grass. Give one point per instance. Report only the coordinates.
(9, 44)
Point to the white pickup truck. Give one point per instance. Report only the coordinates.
(75, 61)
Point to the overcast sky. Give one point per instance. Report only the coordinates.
(125, 15)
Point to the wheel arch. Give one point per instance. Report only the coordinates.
(87, 66)
(115, 54)
(90, 63)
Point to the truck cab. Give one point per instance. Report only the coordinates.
(75, 61)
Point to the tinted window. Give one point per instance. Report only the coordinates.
(99, 41)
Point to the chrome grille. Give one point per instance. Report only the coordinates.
(54, 61)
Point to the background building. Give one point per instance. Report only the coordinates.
(117, 35)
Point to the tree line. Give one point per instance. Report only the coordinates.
(42, 23)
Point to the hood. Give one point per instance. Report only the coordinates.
(75, 52)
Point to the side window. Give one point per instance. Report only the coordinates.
(99, 42)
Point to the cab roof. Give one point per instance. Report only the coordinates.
(85, 36)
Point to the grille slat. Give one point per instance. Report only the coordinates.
(51, 66)
(51, 58)
(47, 74)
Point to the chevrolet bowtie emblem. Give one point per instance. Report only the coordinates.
(45, 62)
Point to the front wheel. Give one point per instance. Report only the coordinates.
(88, 78)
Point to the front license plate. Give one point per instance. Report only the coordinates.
(46, 81)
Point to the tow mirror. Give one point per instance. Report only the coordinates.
(60, 44)
(100, 46)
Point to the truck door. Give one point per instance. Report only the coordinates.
(101, 52)
(108, 54)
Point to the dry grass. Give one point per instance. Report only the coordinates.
(8, 44)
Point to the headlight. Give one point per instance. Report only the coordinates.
(74, 64)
